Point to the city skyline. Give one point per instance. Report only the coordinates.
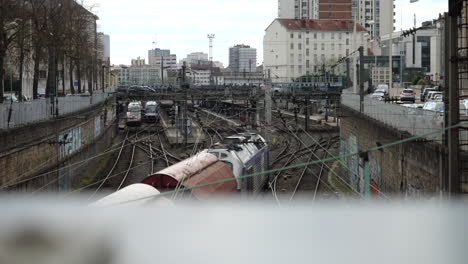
(133, 35)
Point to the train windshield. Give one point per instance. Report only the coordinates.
(134, 109)
(151, 109)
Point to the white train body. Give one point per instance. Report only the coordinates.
(247, 156)
(134, 114)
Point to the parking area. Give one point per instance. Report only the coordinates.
(395, 92)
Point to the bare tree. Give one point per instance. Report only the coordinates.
(8, 31)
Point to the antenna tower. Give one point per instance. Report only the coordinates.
(211, 37)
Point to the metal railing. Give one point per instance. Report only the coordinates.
(415, 121)
(23, 113)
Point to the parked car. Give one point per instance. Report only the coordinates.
(438, 97)
(122, 89)
(378, 95)
(408, 95)
(382, 88)
(431, 95)
(9, 97)
(434, 106)
(425, 92)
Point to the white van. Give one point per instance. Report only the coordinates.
(382, 88)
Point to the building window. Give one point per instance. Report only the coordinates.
(322, 57)
(292, 69)
(332, 35)
(323, 46)
(307, 63)
(299, 69)
(307, 41)
(292, 46)
(315, 58)
(292, 35)
(315, 46)
(347, 52)
(333, 46)
(299, 36)
(291, 58)
(323, 35)
(299, 46)
(315, 35)
(347, 41)
(307, 52)
(299, 58)
(340, 35)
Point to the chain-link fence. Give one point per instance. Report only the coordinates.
(415, 121)
(17, 114)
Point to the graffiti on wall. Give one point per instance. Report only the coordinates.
(64, 178)
(364, 175)
(97, 126)
(375, 173)
(70, 142)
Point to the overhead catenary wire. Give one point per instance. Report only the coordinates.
(334, 158)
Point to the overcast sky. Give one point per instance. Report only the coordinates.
(182, 26)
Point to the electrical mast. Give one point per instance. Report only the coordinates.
(211, 37)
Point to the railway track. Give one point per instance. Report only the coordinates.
(293, 149)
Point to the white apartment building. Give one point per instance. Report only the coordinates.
(298, 9)
(104, 41)
(138, 62)
(155, 56)
(195, 58)
(377, 16)
(201, 77)
(293, 48)
(380, 75)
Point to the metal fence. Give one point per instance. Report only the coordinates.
(415, 121)
(23, 113)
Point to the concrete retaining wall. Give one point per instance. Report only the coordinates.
(36, 156)
(411, 169)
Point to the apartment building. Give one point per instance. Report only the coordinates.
(335, 9)
(377, 16)
(155, 56)
(242, 58)
(293, 48)
(298, 9)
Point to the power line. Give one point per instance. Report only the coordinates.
(395, 143)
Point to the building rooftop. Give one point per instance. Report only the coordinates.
(320, 25)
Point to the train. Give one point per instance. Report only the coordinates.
(151, 112)
(134, 114)
(236, 165)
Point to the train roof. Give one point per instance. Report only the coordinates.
(135, 192)
(151, 103)
(134, 104)
(198, 170)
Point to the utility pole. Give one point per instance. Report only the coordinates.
(390, 55)
(453, 183)
(361, 78)
(185, 87)
(211, 37)
(307, 116)
(348, 78)
(355, 91)
(414, 42)
(268, 106)
(162, 69)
